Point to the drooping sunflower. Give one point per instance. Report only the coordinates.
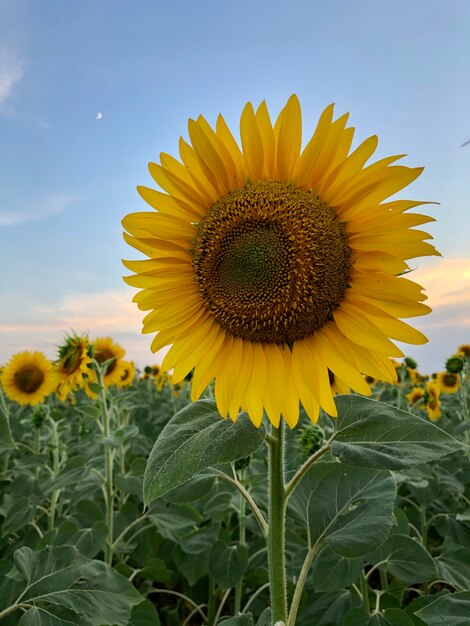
(75, 356)
(448, 382)
(270, 265)
(28, 378)
(104, 348)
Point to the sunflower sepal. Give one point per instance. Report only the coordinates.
(373, 434)
(195, 439)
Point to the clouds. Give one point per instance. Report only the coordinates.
(11, 71)
(42, 208)
(100, 314)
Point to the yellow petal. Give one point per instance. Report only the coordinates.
(288, 133)
(255, 392)
(251, 142)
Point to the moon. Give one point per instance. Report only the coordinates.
(99, 116)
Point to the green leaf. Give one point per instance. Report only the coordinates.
(390, 617)
(63, 582)
(349, 508)
(20, 514)
(227, 564)
(327, 609)
(174, 520)
(373, 434)
(406, 559)
(88, 541)
(194, 439)
(144, 614)
(454, 565)
(50, 616)
(332, 571)
(448, 610)
(156, 570)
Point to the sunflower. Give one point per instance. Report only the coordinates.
(73, 364)
(448, 382)
(28, 378)
(127, 377)
(269, 266)
(433, 402)
(464, 351)
(104, 349)
(416, 394)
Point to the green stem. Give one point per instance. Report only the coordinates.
(365, 593)
(55, 470)
(108, 461)
(292, 484)
(294, 607)
(211, 606)
(277, 526)
(242, 541)
(383, 579)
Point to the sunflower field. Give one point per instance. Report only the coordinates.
(125, 503)
(279, 467)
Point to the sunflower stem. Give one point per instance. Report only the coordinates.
(242, 542)
(56, 472)
(108, 461)
(277, 526)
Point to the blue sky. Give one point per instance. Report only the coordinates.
(67, 178)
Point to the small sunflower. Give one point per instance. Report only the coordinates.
(448, 382)
(464, 350)
(28, 378)
(415, 395)
(270, 265)
(127, 377)
(432, 399)
(73, 364)
(104, 349)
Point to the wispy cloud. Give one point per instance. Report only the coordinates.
(11, 71)
(44, 208)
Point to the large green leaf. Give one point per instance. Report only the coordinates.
(406, 559)
(448, 610)
(390, 617)
(61, 586)
(454, 565)
(332, 571)
(193, 440)
(227, 564)
(348, 508)
(369, 433)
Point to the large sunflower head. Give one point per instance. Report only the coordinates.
(270, 265)
(28, 378)
(75, 356)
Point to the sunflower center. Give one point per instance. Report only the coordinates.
(104, 355)
(272, 262)
(28, 379)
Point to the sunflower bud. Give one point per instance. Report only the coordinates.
(454, 365)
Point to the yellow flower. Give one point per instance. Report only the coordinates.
(28, 378)
(448, 382)
(464, 351)
(128, 374)
(73, 364)
(433, 403)
(416, 394)
(269, 266)
(104, 349)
